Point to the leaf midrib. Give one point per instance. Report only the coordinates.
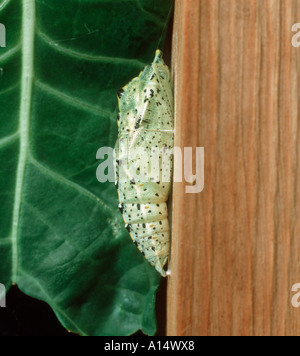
(28, 31)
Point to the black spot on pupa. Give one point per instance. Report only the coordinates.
(120, 93)
(137, 125)
(128, 227)
(121, 208)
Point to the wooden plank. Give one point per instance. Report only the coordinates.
(236, 245)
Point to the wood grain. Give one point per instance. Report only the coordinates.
(236, 245)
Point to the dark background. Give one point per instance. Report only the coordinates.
(26, 316)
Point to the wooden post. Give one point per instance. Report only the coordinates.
(236, 245)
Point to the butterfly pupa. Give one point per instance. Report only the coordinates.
(146, 120)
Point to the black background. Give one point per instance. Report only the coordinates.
(26, 316)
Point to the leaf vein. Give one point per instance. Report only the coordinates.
(9, 139)
(88, 57)
(52, 303)
(28, 26)
(56, 176)
(10, 53)
(5, 241)
(151, 16)
(4, 4)
(80, 104)
(9, 89)
(44, 220)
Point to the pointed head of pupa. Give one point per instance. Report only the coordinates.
(158, 59)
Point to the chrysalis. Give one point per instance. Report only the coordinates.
(146, 123)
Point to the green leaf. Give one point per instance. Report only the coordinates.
(62, 238)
